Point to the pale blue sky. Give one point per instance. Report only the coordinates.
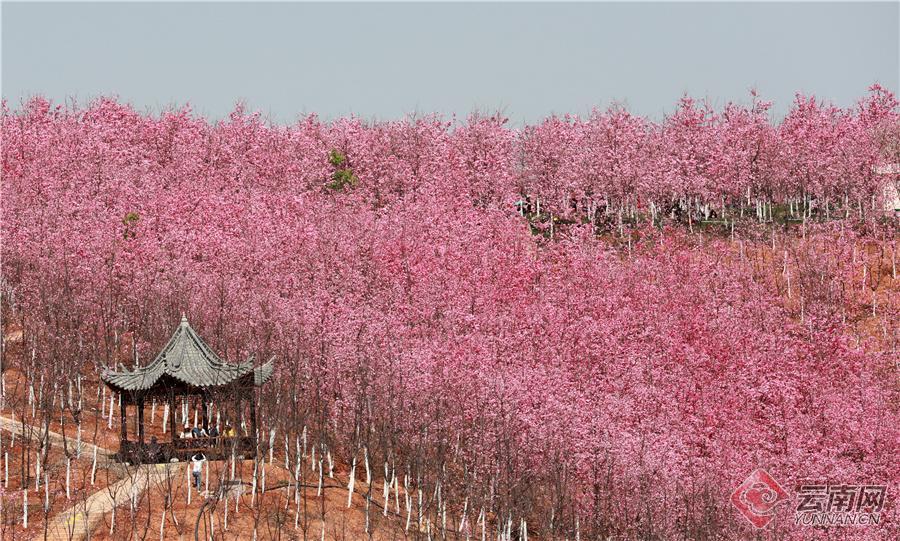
(383, 60)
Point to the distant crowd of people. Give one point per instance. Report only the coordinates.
(156, 453)
(200, 432)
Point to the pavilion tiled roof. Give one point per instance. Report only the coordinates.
(188, 359)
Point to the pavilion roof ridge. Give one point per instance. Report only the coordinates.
(187, 358)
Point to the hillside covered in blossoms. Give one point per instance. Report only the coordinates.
(592, 327)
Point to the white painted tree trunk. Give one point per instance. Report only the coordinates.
(319, 488)
(253, 486)
(386, 491)
(462, 521)
(482, 519)
(297, 482)
(297, 511)
(396, 486)
(368, 471)
(351, 484)
(162, 525)
(420, 508)
(894, 261)
(408, 511)
(94, 467)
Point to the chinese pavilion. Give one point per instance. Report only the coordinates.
(188, 369)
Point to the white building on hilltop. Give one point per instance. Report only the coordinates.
(891, 191)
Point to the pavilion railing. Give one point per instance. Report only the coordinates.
(182, 449)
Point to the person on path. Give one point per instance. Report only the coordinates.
(154, 450)
(197, 467)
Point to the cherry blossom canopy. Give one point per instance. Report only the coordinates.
(187, 359)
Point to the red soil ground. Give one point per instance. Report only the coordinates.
(22, 472)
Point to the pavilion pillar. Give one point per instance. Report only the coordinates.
(140, 417)
(205, 405)
(253, 413)
(172, 414)
(124, 425)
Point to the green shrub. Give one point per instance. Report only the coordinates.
(336, 158)
(343, 176)
(129, 222)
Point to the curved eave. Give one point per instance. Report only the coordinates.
(130, 381)
(261, 374)
(209, 375)
(142, 380)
